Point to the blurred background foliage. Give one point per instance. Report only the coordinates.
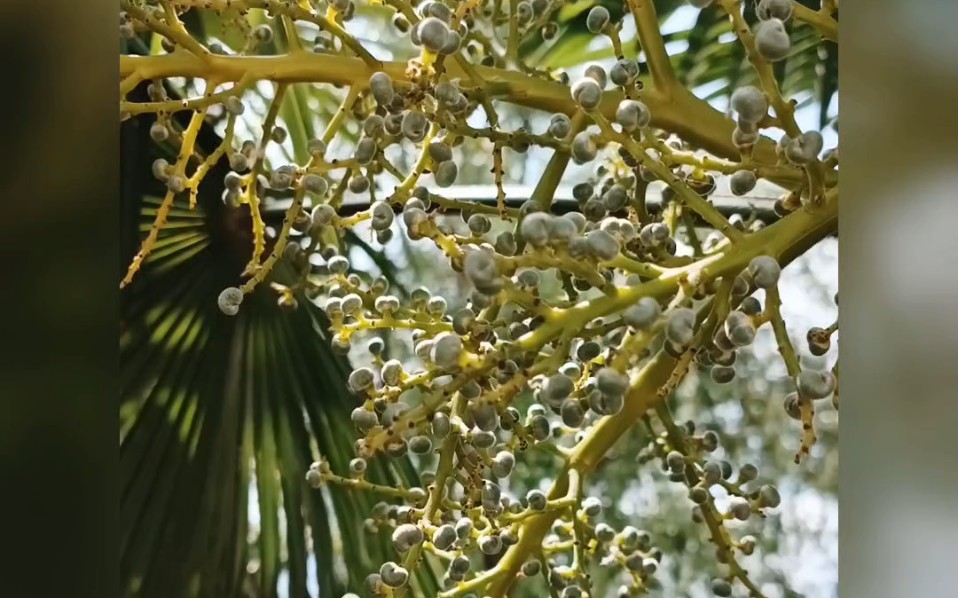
(220, 417)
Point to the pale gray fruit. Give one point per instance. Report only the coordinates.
(446, 173)
(765, 271)
(531, 568)
(583, 148)
(816, 385)
(382, 215)
(443, 538)
(562, 230)
(352, 303)
(490, 545)
(439, 151)
(771, 40)
(739, 329)
(582, 192)
(381, 86)
(592, 506)
(597, 74)
(524, 13)
(374, 126)
(317, 147)
(452, 43)
(537, 500)
(406, 536)
(768, 496)
(722, 374)
(460, 564)
(391, 372)
(420, 445)
(680, 328)
(440, 425)
(393, 124)
(506, 243)
(393, 575)
(365, 150)
(159, 132)
(364, 419)
(611, 382)
(560, 126)
(539, 428)
(643, 313)
(587, 93)
(805, 148)
(572, 414)
(315, 183)
(740, 508)
(446, 349)
(503, 463)
(556, 388)
(624, 72)
(615, 199)
(432, 33)
(602, 245)
(534, 229)
(632, 115)
(774, 9)
(359, 184)
(721, 588)
(742, 182)
(414, 123)
(229, 300)
(481, 269)
(597, 19)
(749, 103)
(360, 379)
(464, 528)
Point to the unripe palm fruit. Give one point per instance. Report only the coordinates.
(381, 86)
(742, 182)
(771, 40)
(722, 374)
(503, 463)
(774, 9)
(534, 229)
(531, 568)
(452, 44)
(765, 271)
(805, 148)
(406, 536)
(365, 150)
(364, 419)
(624, 72)
(560, 126)
(572, 414)
(722, 588)
(680, 328)
(602, 245)
(439, 151)
(597, 19)
(481, 269)
(432, 33)
(768, 496)
(749, 103)
(443, 538)
(583, 148)
(815, 385)
(393, 575)
(524, 13)
(414, 123)
(360, 379)
(587, 93)
(597, 74)
(446, 173)
(739, 329)
(229, 300)
(382, 215)
(611, 382)
(632, 115)
(555, 389)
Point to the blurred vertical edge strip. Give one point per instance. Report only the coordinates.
(58, 397)
(899, 298)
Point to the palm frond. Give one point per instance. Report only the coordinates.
(218, 410)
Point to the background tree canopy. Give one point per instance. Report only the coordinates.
(221, 417)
